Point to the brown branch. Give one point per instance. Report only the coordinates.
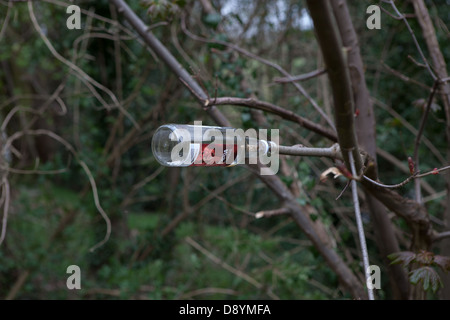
(332, 152)
(414, 214)
(441, 236)
(365, 131)
(272, 108)
(404, 77)
(418, 192)
(167, 57)
(18, 285)
(334, 56)
(301, 77)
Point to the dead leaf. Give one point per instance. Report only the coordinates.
(333, 170)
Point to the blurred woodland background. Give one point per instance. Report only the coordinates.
(78, 109)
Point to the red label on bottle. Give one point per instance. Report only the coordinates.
(211, 155)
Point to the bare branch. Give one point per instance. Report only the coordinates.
(6, 198)
(301, 77)
(331, 152)
(164, 54)
(441, 236)
(359, 223)
(409, 179)
(272, 108)
(334, 56)
(78, 72)
(418, 192)
(424, 120)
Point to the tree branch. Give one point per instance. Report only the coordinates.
(272, 108)
(441, 236)
(165, 55)
(359, 223)
(331, 152)
(334, 55)
(301, 77)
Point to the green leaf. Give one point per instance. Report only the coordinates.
(428, 276)
(404, 257)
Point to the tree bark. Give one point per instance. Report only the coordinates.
(334, 55)
(440, 68)
(365, 130)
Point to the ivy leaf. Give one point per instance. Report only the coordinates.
(442, 262)
(404, 257)
(428, 276)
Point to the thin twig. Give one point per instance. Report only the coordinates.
(441, 236)
(6, 196)
(264, 61)
(5, 23)
(409, 179)
(418, 192)
(86, 169)
(362, 237)
(272, 108)
(229, 268)
(139, 185)
(424, 119)
(402, 17)
(98, 206)
(412, 129)
(301, 77)
(343, 190)
(77, 70)
(404, 77)
(18, 285)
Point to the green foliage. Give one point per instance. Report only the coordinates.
(424, 273)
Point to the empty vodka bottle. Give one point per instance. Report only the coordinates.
(177, 145)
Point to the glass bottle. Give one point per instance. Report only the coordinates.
(176, 145)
